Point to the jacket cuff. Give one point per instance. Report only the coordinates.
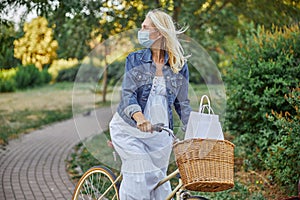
(131, 109)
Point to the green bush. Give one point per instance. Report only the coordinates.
(8, 85)
(266, 68)
(283, 156)
(7, 80)
(29, 76)
(45, 76)
(115, 71)
(67, 75)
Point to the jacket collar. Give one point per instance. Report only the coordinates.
(147, 56)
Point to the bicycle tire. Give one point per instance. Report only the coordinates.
(94, 183)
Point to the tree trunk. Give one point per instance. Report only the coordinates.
(105, 73)
(177, 10)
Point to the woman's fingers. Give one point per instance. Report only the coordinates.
(145, 126)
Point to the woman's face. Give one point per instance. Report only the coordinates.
(147, 25)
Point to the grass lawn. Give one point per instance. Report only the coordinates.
(26, 110)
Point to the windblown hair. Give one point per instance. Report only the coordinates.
(165, 25)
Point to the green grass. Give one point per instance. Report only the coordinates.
(91, 152)
(14, 123)
(26, 110)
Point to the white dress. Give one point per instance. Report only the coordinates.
(145, 156)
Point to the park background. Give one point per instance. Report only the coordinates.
(255, 44)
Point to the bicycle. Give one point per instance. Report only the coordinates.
(101, 183)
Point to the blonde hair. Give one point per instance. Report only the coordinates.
(165, 25)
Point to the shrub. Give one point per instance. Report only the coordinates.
(67, 75)
(266, 68)
(7, 80)
(283, 156)
(30, 76)
(115, 72)
(62, 64)
(46, 77)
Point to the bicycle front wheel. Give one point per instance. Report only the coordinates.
(97, 183)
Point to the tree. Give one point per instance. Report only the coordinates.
(7, 37)
(116, 18)
(37, 46)
(212, 22)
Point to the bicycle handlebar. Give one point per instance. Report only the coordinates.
(161, 127)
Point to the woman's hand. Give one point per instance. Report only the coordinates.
(144, 126)
(142, 123)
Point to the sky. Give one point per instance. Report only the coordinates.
(16, 14)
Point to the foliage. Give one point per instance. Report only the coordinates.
(30, 76)
(7, 80)
(61, 64)
(37, 45)
(78, 24)
(211, 23)
(22, 77)
(116, 72)
(83, 161)
(7, 37)
(68, 75)
(284, 157)
(266, 68)
(214, 24)
(240, 191)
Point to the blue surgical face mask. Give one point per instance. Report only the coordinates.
(144, 39)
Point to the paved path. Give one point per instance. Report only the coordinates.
(33, 167)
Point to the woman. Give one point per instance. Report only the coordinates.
(156, 79)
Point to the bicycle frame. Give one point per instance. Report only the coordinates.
(177, 190)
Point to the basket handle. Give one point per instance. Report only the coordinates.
(205, 106)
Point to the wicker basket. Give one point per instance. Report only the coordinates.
(205, 165)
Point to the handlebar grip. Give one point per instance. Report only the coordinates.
(158, 127)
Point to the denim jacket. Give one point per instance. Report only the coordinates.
(139, 73)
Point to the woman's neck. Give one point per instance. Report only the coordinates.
(158, 56)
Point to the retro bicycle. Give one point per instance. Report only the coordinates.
(100, 183)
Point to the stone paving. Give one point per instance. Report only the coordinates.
(33, 167)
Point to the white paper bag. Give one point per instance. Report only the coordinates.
(204, 125)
